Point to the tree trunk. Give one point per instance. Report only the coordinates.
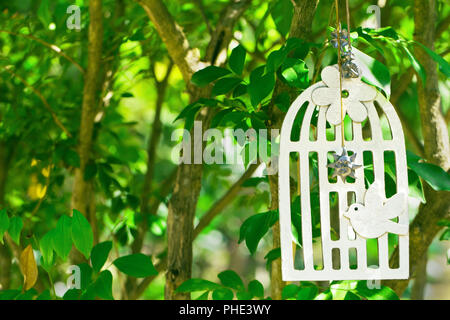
(435, 132)
(182, 206)
(420, 281)
(82, 195)
(304, 12)
(424, 228)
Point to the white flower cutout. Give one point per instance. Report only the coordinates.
(354, 93)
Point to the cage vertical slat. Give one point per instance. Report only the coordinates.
(402, 175)
(359, 183)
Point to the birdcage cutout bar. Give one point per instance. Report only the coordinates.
(348, 240)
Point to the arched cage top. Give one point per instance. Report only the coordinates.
(310, 134)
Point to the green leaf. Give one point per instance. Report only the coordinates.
(15, 228)
(373, 71)
(9, 294)
(27, 295)
(195, 284)
(282, 14)
(276, 59)
(240, 90)
(207, 75)
(415, 186)
(282, 101)
(295, 73)
(416, 65)
(46, 248)
(43, 13)
(72, 158)
(255, 227)
(351, 296)
(62, 237)
(136, 265)
(4, 223)
(289, 292)
(90, 171)
(272, 255)
(434, 175)
(243, 295)
(339, 289)
(237, 60)
(190, 111)
(72, 294)
(261, 85)
(103, 285)
(444, 223)
(225, 85)
(445, 235)
(100, 254)
(45, 295)
(86, 275)
(326, 295)
(308, 292)
(256, 289)
(388, 32)
(364, 34)
(219, 117)
(82, 234)
(231, 279)
(222, 294)
(203, 296)
(444, 66)
(384, 293)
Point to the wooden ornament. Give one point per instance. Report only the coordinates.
(370, 215)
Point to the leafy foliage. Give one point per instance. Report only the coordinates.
(42, 76)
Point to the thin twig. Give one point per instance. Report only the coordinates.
(48, 45)
(223, 202)
(202, 10)
(44, 101)
(155, 134)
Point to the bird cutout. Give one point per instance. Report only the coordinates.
(373, 218)
(344, 165)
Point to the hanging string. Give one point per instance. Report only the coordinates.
(338, 33)
(347, 7)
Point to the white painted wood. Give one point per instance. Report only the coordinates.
(372, 219)
(375, 208)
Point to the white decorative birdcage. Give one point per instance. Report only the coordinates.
(363, 104)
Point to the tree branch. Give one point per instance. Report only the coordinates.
(202, 10)
(223, 202)
(155, 134)
(420, 281)
(443, 25)
(186, 58)
(205, 220)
